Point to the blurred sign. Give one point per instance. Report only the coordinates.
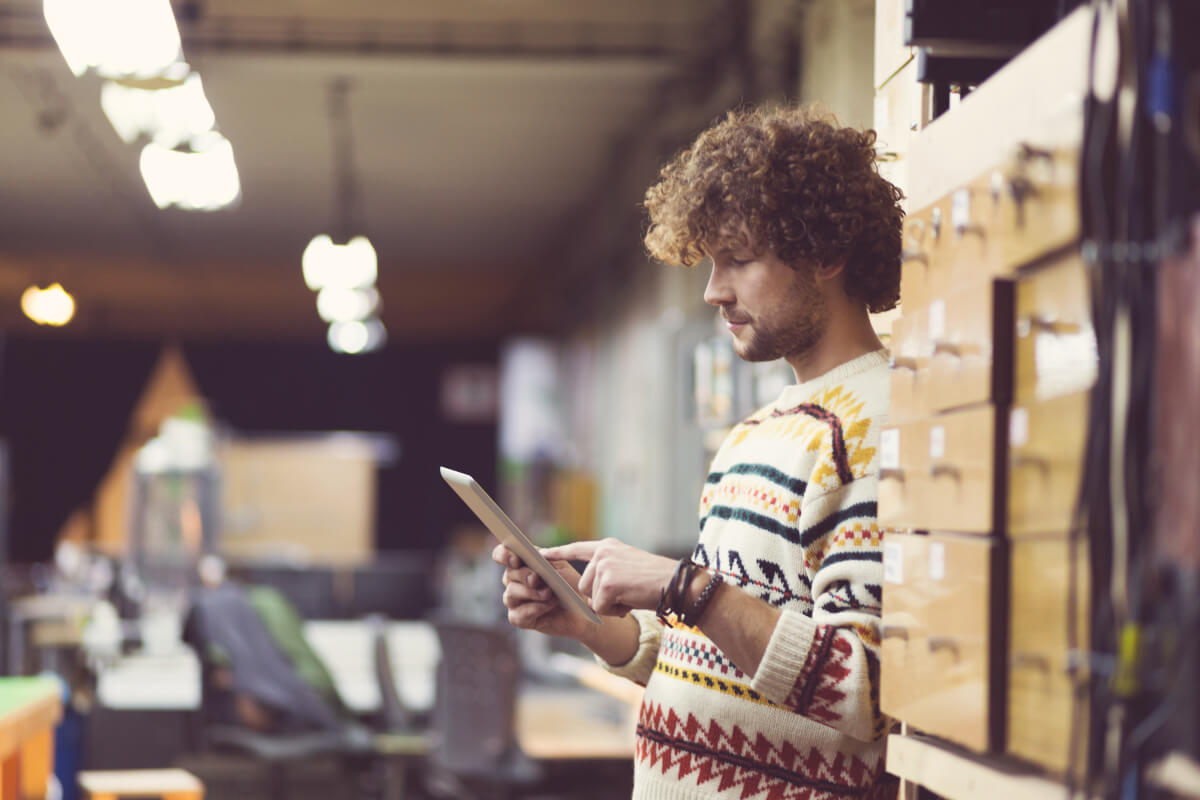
(470, 393)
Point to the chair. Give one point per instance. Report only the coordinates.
(226, 632)
(400, 740)
(474, 751)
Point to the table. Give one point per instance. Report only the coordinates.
(29, 710)
(595, 720)
(574, 723)
(62, 617)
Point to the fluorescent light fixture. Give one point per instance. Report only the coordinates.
(136, 38)
(203, 180)
(357, 336)
(169, 116)
(346, 305)
(50, 306)
(341, 266)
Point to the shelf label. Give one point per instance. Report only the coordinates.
(893, 562)
(1018, 427)
(889, 449)
(937, 442)
(937, 561)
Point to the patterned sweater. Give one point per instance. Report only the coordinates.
(788, 515)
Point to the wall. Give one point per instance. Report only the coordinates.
(633, 419)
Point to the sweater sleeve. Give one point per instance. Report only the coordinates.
(639, 668)
(826, 666)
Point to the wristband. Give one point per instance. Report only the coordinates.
(692, 615)
(671, 598)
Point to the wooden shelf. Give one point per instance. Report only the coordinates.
(957, 775)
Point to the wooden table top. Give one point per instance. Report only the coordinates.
(575, 723)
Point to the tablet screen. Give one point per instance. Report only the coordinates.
(504, 529)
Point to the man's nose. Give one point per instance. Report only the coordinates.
(717, 292)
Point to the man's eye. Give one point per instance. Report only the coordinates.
(740, 262)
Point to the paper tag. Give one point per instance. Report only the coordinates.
(937, 561)
(960, 210)
(1018, 427)
(893, 562)
(937, 320)
(889, 449)
(937, 442)
(881, 114)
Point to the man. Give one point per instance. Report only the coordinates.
(764, 681)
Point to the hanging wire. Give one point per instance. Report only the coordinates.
(345, 181)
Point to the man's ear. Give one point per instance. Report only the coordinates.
(831, 270)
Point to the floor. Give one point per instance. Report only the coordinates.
(231, 777)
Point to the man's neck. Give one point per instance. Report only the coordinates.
(847, 337)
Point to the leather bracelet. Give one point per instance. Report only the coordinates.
(671, 597)
(692, 616)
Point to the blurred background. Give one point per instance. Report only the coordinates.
(265, 266)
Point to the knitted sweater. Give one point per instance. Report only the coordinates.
(788, 515)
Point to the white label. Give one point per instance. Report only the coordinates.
(937, 320)
(893, 562)
(960, 210)
(937, 561)
(1018, 427)
(889, 449)
(881, 115)
(937, 442)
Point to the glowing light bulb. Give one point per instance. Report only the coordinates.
(50, 306)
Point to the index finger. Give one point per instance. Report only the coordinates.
(573, 551)
(505, 557)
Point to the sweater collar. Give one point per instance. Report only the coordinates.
(799, 392)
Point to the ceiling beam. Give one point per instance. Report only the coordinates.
(116, 298)
(587, 39)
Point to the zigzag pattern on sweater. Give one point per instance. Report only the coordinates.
(818, 688)
(764, 575)
(754, 766)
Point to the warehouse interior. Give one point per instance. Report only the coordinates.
(189, 399)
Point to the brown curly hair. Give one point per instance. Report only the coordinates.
(806, 189)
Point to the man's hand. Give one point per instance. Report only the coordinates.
(618, 577)
(530, 602)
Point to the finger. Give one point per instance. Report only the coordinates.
(524, 575)
(573, 551)
(528, 615)
(588, 579)
(506, 558)
(517, 593)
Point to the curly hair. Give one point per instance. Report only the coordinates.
(805, 188)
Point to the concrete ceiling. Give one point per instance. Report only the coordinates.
(484, 134)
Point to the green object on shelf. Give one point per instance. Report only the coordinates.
(17, 692)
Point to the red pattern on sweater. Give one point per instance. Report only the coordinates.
(756, 766)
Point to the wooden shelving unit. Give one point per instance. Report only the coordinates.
(956, 774)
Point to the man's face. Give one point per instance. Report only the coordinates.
(772, 310)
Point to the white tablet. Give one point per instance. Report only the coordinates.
(512, 537)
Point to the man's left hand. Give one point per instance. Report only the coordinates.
(618, 577)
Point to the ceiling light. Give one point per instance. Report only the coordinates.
(118, 38)
(50, 306)
(356, 336)
(340, 266)
(204, 179)
(169, 116)
(345, 305)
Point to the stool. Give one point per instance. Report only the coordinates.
(169, 784)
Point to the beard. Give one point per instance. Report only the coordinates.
(791, 328)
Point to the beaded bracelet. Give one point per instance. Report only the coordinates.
(692, 615)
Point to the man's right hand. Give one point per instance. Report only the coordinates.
(530, 602)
